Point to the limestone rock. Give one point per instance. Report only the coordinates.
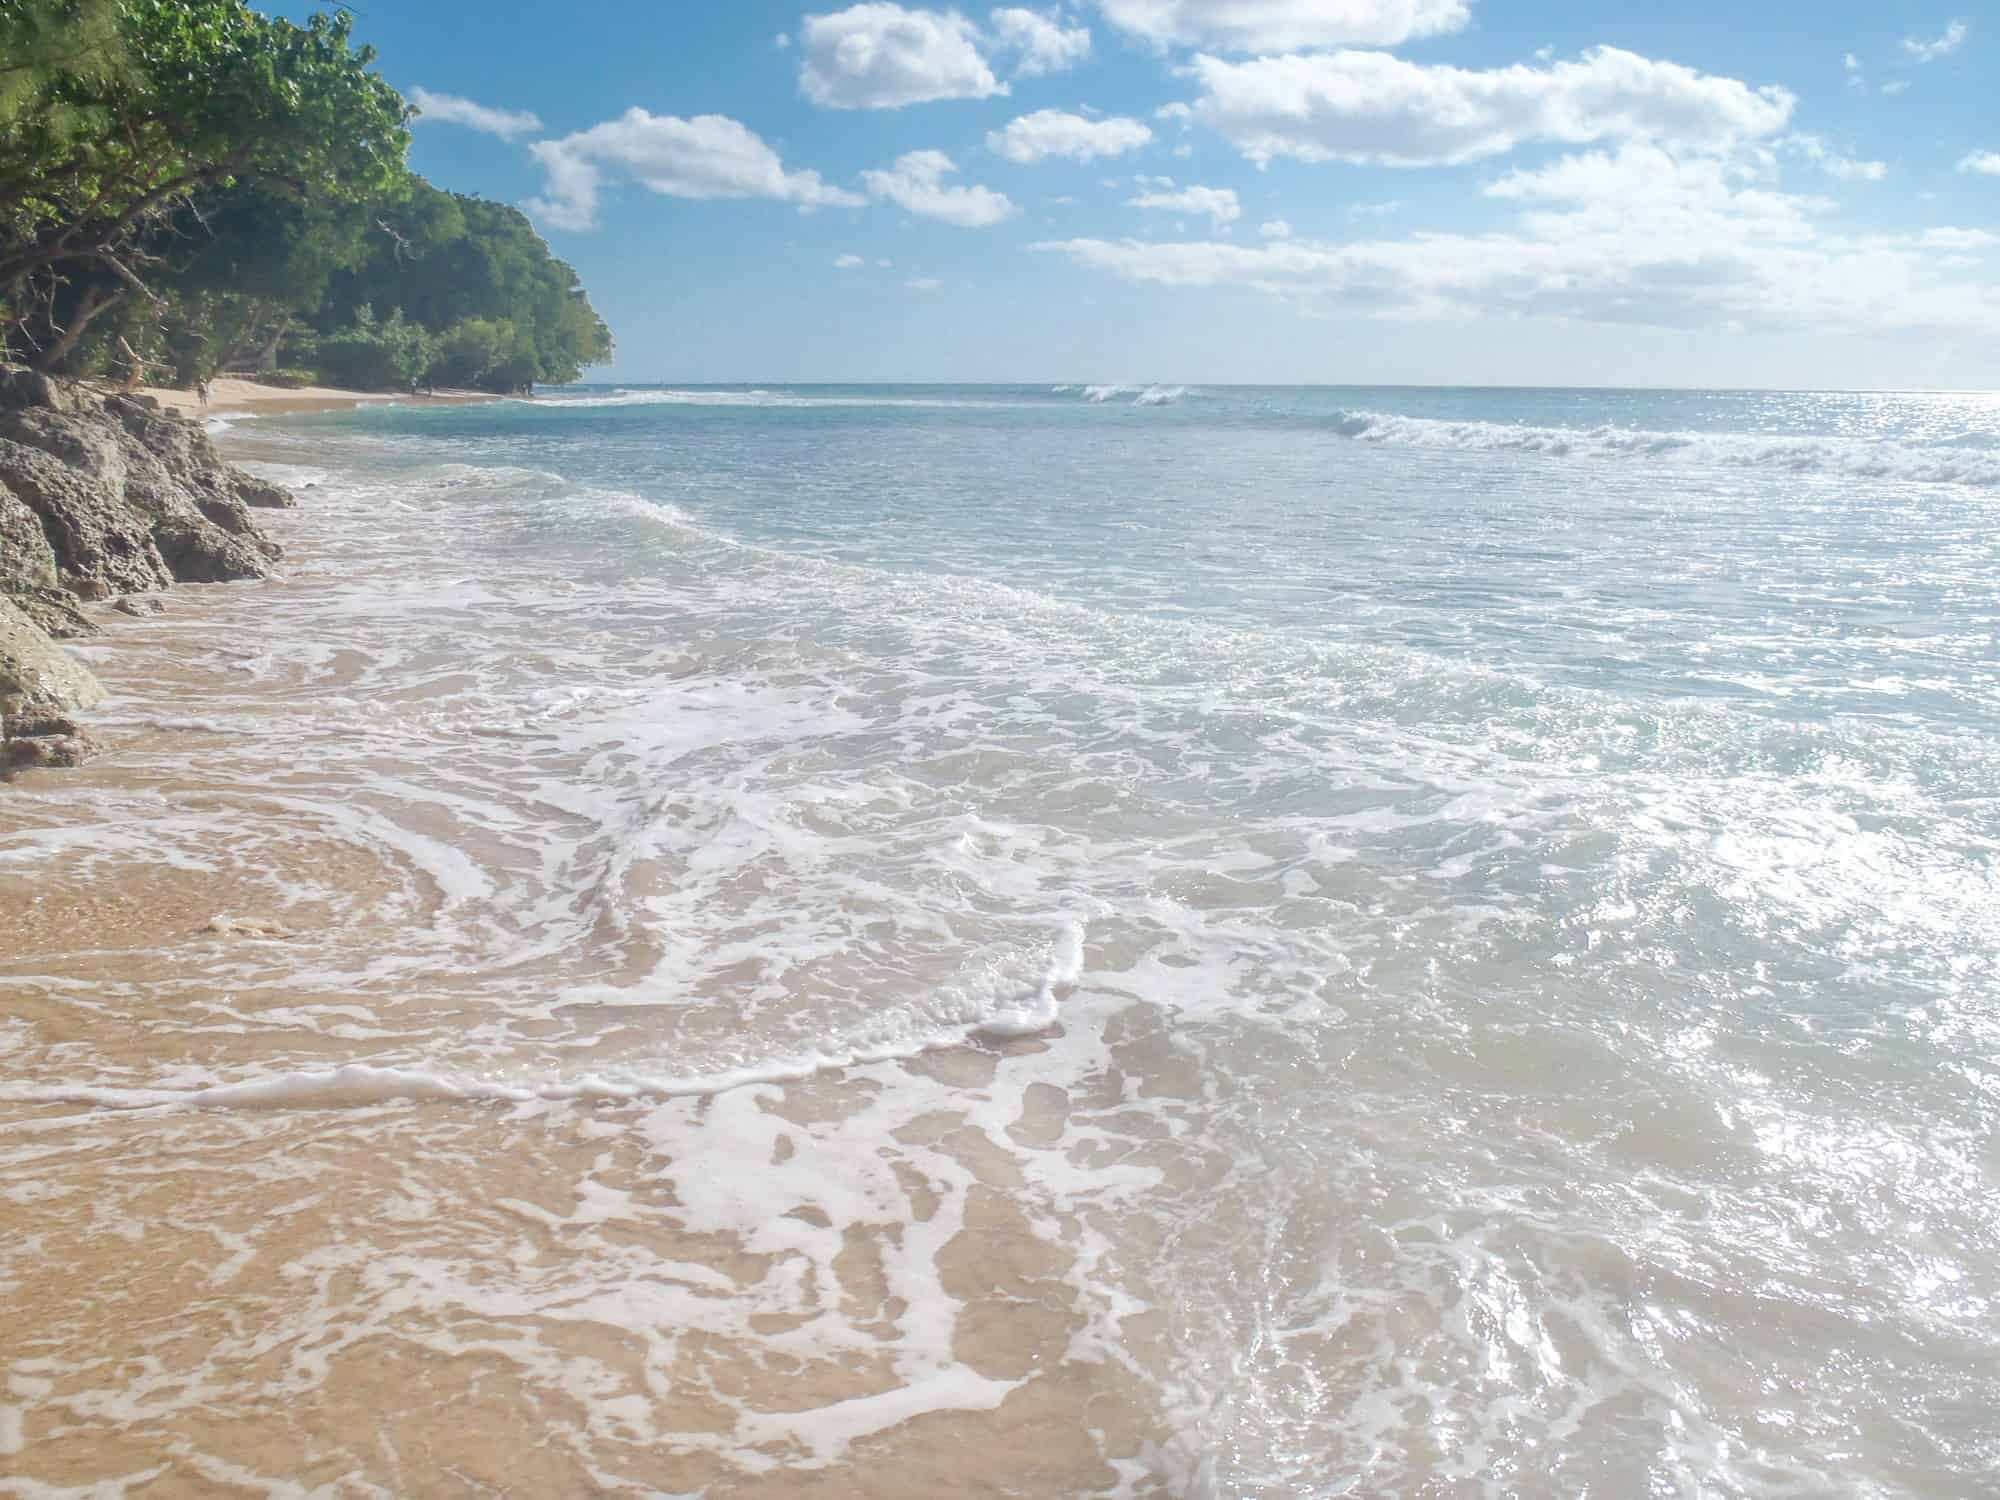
(95, 535)
(26, 559)
(44, 740)
(138, 604)
(262, 494)
(20, 389)
(57, 611)
(136, 497)
(36, 675)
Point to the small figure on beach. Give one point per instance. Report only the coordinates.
(201, 391)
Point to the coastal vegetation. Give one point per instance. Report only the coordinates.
(189, 187)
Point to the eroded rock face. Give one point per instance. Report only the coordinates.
(112, 479)
(36, 675)
(58, 612)
(101, 498)
(44, 740)
(26, 559)
(94, 535)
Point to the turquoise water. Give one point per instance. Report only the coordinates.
(1486, 903)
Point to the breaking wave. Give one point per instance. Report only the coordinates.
(1852, 458)
(1141, 395)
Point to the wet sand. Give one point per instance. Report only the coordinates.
(344, 1279)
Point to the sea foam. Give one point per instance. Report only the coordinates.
(1916, 463)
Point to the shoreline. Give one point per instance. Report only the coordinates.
(257, 847)
(234, 394)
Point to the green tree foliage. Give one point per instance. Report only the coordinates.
(448, 260)
(189, 184)
(101, 143)
(44, 40)
(392, 354)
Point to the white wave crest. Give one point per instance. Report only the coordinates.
(1142, 395)
(1848, 457)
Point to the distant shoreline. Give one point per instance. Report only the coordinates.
(229, 394)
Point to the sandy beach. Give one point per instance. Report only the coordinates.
(749, 1287)
(234, 394)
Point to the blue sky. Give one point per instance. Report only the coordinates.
(1432, 191)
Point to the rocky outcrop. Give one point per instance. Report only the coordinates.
(132, 496)
(44, 739)
(36, 675)
(102, 497)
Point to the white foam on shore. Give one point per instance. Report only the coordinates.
(667, 970)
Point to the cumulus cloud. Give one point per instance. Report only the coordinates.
(923, 283)
(1275, 229)
(449, 109)
(917, 183)
(709, 156)
(1944, 46)
(1219, 204)
(1831, 162)
(882, 56)
(1638, 235)
(1372, 108)
(848, 262)
(1054, 132)
(1283, 25)
(1043, 43)
(1987, 162)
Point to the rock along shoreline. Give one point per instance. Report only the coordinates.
(102, 497)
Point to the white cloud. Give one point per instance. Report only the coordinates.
(1370, 107)
(1946, 238)
(1636, 236)
(1220, 204)
(848, 262)
(1815, 150)
(1944, 46)
(1896, 87)
(1045, 45)
(449, 109)
(569, 188)
(1856, 77)
(709, 156)
(923, 283)
(1282, 25)
(1275, 229)
(917, 183)
(881, 56)
(1385, 209)
(1052, 132)
(1987, 162)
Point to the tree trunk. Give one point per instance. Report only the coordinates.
(268, 359)
(52, 358)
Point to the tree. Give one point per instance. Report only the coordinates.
(448, 260)
(43, 40)
(391, 355)
(199, 95)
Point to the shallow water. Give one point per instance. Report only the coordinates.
(1085, 941)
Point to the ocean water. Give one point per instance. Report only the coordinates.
(1053, 941)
